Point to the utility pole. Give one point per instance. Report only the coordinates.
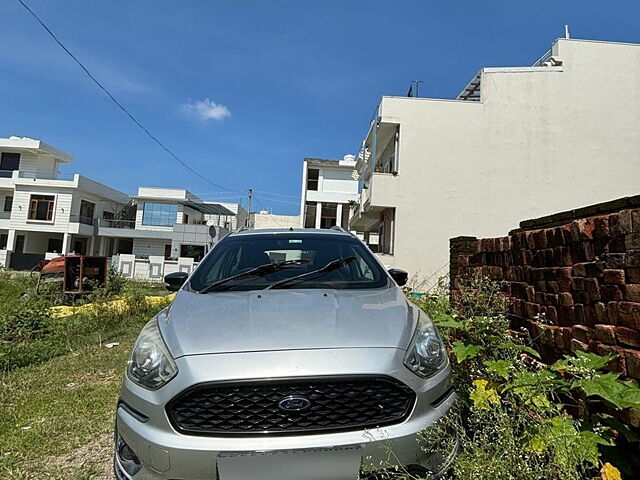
(249, 207)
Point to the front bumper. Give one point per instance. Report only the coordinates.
(166, 454)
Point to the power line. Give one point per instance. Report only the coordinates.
(120, 106)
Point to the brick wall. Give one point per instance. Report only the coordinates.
(574, 279)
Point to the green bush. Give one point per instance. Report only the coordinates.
(29, 334)
(519, 418)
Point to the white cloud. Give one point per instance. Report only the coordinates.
(207, 110)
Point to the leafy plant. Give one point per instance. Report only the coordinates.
(520, 418)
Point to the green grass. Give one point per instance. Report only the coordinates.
(59, 383)
(56, 418)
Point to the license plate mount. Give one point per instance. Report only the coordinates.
(341, 463)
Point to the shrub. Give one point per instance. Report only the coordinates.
(520, 418)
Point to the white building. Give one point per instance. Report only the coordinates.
(266, 219)
(516, 143)
(44, 213)
(327, 188)
(44, 210)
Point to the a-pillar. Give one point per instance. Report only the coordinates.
(66, 243)
(318, 213)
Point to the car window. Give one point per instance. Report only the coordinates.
(302, 253)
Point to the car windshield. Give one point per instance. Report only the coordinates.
(269, 259)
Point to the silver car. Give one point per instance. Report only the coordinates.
(289, 354)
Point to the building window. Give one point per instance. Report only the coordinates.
(9, 162)
(310, 215)
(313, 174)
(194, 251)
(328, 215)
(54, 245)
(3, 241)
(167, 250)
(8, 203)
(87, 210)
(107, 215)
(159, 214)
(185, 218)
(41, 207)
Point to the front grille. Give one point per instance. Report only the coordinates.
(333, 404)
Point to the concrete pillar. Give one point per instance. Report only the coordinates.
(116, 243)
(92, 246)
(339, 215)
(318, 213)
(11, 241)
(103, 246)
(66, 243)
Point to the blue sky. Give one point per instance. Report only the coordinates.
(244, 90)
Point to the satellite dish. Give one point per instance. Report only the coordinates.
(212, 231)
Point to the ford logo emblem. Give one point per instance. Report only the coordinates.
(294, 403)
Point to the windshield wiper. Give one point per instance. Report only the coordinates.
(329, 267)
(259, 271)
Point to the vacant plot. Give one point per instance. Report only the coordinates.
(60, 378)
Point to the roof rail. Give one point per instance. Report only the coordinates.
(340, 229)
(241, 229)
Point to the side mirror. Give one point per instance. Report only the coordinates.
(175, 280)
(400, 276)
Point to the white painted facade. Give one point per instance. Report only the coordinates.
(44, 213)
(265, 219)
(327, 188)
(517, 143)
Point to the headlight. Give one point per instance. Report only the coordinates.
(426, 353)
(151, 365)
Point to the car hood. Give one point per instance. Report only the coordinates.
(286, 319)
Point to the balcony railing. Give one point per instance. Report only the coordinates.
(46, 175)
(82, 219)
(115, 223)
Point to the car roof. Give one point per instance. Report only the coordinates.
(299, 231)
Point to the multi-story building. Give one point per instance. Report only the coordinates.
(44, 210)
(47, 213)
(328, 187)
(517, 142)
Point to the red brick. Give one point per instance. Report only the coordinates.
(635, 219)
(614, 225)
(614, 276)
(613, 309)
(631, 416)
(582, 333)
(632, 241)
(589, 251)
(632, 358)
(605, 334)
(579, 270)
(601, 226)
(632, 292)
(619, 363)
(565, 299)
(577, 283)
(633, 258)
(552, 315)
(629, 314)
(593, 288)
(578, 312)
(611, 293)
(628, 336)
(530, 293)
(532, 309)
(565, 316)
(590, 317)
(614, 260)
(601, 312)
(625, 222)
(633, 275)
(578, 345)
